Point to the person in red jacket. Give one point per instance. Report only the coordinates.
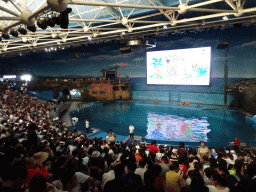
(153, 148)
(236, 144)
(35, 167)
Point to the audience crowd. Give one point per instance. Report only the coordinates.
(39, 155)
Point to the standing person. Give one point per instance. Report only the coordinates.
(87, 125)
(131, 129)
(203, 151)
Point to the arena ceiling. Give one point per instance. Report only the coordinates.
(105, 20)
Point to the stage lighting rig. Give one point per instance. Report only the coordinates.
(64, 19)
(5, 36)
(32, 28)
(22, 31)
(14, 33)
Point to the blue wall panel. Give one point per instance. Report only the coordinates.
(151, 95)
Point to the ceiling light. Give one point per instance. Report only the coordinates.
(123, 33)
(4, 48)
(225, 18)
(86, 28)
(165, 27)
(24, 39)
(95, 34)
(129, 29)
(89, 38)
(54, 35)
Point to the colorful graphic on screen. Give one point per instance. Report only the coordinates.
(179, 67)
(174, 128)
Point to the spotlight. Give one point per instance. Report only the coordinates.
(123, 33)
(55, 18)
(14, 33)
(165, 27)
(5, 36)
(22, 31)
(49, 22)
(225, 18)
(42, 24)
(32, 28)
(64, 19)
(89, 38)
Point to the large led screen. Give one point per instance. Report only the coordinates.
(179, 67)
(175, 128)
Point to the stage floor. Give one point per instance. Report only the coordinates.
(169, 123)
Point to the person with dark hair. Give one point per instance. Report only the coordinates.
(207, 175)
(230, 181)
(11, 178)
(164, 166)
(141, 170)
(68, 180)
(37, 184)
(149, 179)
(173, 180)
(218, 183)
(203, 150)
(213, 163)
(32, 140)
(183, 168)
(159, 180)
(111, 138)
(247, 183)
(182, 152)
(197, 185)
(132, 181)
(117, 184)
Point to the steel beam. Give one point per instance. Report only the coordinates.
(9, 11)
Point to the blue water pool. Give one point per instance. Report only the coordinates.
(169, 123)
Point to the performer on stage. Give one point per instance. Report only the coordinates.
(131, 129)
(236, 144)
(87, 125)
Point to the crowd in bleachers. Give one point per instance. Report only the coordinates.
(37, 154)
